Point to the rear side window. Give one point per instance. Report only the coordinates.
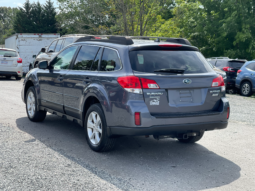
(52, 46)
(221, 63)
(97, 59)
(58, 47)
(110, 60)
(251, 66)
(67, 42)
(8, 53)
(236, 65)
(85, 58)
(150, 61)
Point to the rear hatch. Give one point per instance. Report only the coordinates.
(8, 58)
(184, 80)
(233, 67)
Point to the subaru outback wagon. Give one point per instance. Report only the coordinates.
(118, 86)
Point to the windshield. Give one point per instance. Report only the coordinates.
(152, 61)
(8, 53)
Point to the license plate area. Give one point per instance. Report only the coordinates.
(186, 97)
(4, 62)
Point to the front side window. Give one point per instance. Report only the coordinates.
(67, 42)
(110, 60)
(85, 58)
(63, 60)
(58, 47)
(52, 46)
(153, 61)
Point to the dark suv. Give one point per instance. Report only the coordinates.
(230, 66)
(117, 86)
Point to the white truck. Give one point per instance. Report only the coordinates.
(28, 45)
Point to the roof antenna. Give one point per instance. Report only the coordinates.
(157, 40)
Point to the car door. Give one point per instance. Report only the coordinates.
(51, 80)
(251, 73)
(83, 73)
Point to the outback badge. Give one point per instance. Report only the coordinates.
(187, 81)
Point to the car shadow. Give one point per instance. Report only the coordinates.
(137, 161)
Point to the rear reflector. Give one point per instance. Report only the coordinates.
(228, 113)
(170, 45)
(19, 60)
(137, 118)
(219, 82)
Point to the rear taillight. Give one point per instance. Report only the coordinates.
(228, 113)
(219, 82)
(228, 69)
(19, 60)
(131, 84)
(239, 71)
(137, 118)
(135, 84)
(170, 45)
(97, 37)
(149, 84)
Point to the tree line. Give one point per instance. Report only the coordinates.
(217, 28)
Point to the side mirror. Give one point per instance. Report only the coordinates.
(51, 51)
(34, 56)
(43, 65)
(43, 50)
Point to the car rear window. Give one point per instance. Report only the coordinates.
(152, 60)
(235, 64)
(8, 53)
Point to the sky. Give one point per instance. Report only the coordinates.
(19, 3)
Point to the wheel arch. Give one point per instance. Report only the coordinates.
(29, 84)
(246, 80)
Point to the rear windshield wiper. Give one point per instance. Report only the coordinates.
(171, 70)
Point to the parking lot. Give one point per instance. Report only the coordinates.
(54, 155)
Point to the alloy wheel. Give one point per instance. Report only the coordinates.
(94, 128)
(31, 104)
(246, 89)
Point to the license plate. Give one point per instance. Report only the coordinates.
(4, 62)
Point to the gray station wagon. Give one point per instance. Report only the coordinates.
(115, 86)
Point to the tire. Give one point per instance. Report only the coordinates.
(96, 135)
(192, 139)
(31, 106)
(246, 89)
(8, 77)
(18, 78)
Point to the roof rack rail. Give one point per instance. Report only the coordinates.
(68, 35)
(127, 40)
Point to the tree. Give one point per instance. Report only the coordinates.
(35, 18)
(7, 16)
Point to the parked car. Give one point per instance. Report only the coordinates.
(120, 86)
(52, 50)
(245, 81)
(28, 44)
(220, 72)
(10, 64)
(230, 66)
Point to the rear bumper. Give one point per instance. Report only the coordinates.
(169, 129)
(11, 71)
(230, 83)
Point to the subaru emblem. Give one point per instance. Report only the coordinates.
(187, 81)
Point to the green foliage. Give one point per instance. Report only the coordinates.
(36, 18)
(7, 16)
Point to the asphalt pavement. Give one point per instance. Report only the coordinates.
(54, 155)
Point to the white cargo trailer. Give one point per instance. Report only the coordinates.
(29, 44)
